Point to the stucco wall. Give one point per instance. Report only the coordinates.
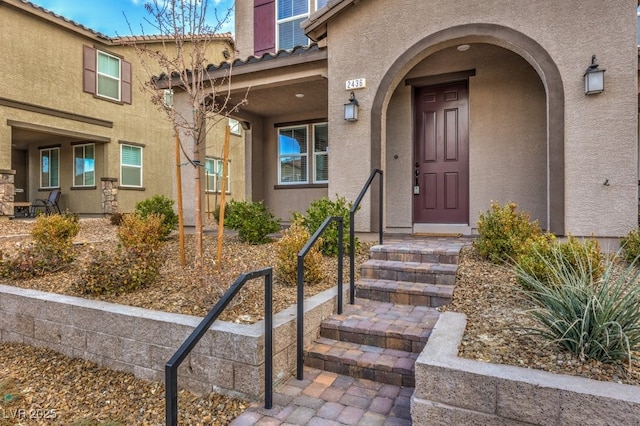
(600, 132)
(44, 68)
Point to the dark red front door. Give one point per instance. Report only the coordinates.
(441, 155)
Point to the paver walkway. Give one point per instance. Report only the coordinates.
(360, 370)
(327, 399)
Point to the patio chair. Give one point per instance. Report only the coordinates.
(48, 205)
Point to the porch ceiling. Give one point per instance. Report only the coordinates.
(25, 134)
(279, 98)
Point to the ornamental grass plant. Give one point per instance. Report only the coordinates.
(594, 318)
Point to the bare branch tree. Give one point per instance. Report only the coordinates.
(177, 60)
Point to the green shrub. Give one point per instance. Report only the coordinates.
(141, 234)
(287, 248)
(52, 248)
(317, 212)
(118, 273)
(631, 246)
(503, 232)
(538, 257)
(594, 319)
(159, 205)
(252, 220)
(134, 265)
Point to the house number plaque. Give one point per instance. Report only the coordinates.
(356, 83)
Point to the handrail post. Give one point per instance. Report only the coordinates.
(352, 219)
(300, 319)
(268, 336)
(171, 390)
(171, 367)
(352, 247)
(300, 284)
(380, 208)
(340, 221)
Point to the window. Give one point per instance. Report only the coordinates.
(234, 127)
(50, 168)
(130, 165)
(292, 155)
(106, 75)
(84, 173)
(321, 3)
(321, 152)
(294, 164)
(289, 15)
(213, 167)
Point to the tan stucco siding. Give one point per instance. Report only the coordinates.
(43, 66)
(600, 132)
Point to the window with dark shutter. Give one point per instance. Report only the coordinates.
(264, 26)
(125, 82)
(118, 73)
(89, 73)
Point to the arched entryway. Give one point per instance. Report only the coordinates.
(529, 52)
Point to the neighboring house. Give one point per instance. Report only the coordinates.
(73, 116)
(460, 103)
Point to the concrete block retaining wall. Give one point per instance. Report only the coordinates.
(454, 391)
(229, 358)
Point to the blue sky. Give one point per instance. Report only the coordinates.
(106, 16)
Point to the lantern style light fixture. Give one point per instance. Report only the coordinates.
(351, 108)
(593, 78)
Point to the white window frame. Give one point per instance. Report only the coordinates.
(234, 127)
(311, 154)
(301, 155)
(99, 74)
(141, 166)
(317, 154)
(49, 183)
(217, 167)
(84, 172)
(288, 19)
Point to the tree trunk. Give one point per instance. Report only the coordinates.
(223, 190)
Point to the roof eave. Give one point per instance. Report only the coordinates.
(315, 27)
(56, 19)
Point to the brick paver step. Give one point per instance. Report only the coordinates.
(362, 361)
(382, 324)
(445, 251)
(423, 272)
(403, 292)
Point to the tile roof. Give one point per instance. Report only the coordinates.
(60, 17)
(113, 40)
(283, 53)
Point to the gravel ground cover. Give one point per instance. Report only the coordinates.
(497, 323)
(41, 379)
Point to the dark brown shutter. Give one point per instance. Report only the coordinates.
(89, 69)
(264, 26)
(125, 78)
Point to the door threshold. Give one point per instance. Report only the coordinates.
(441, 229)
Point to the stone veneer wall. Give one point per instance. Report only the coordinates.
(457, 391)
(229, 358)
(7, 189)
(109, 195)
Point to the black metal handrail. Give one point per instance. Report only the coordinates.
(352, 232)
(301, 254)
(171, 367)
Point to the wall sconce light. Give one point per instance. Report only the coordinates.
(351, 108)
(593, 78)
